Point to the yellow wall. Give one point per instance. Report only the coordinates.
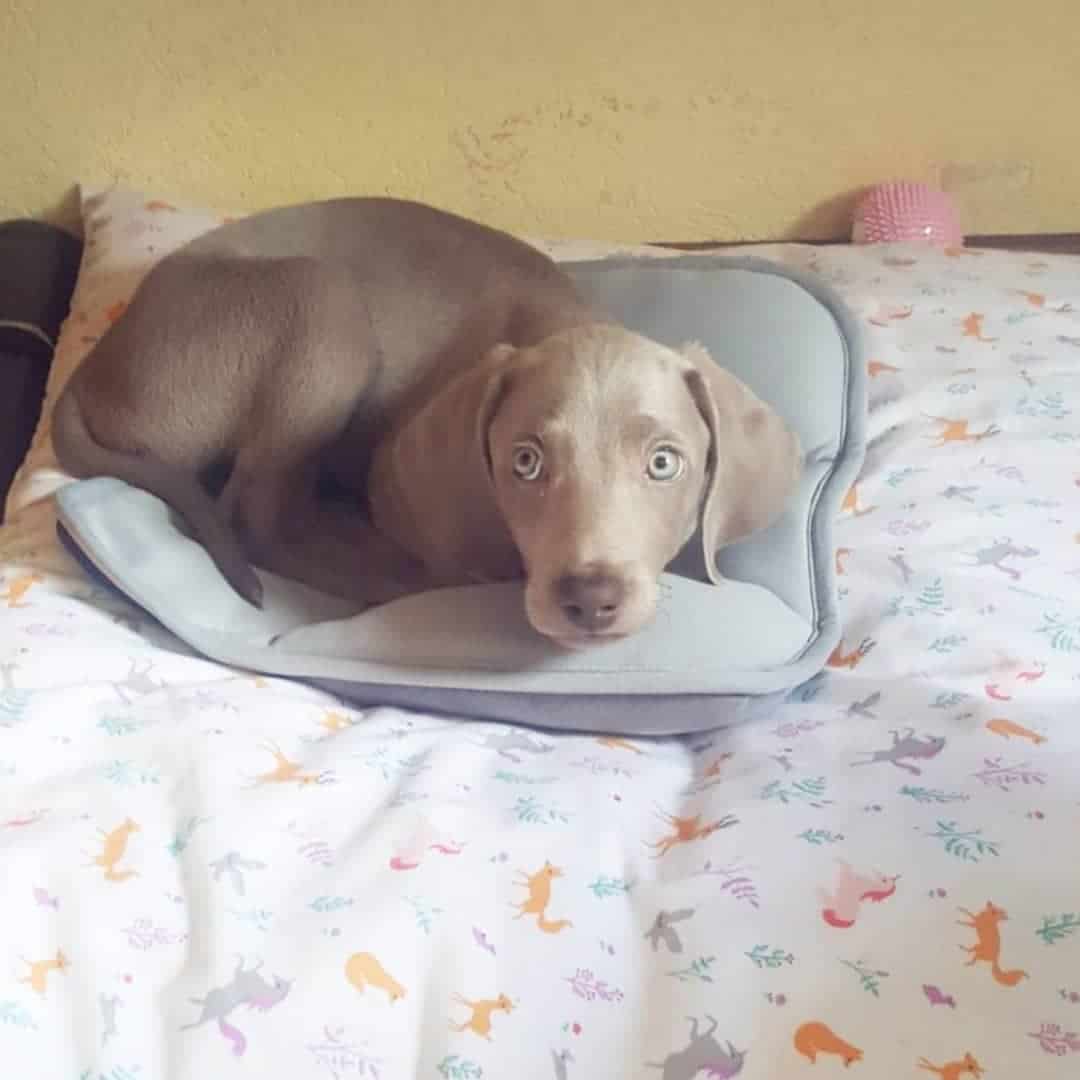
(608, 119)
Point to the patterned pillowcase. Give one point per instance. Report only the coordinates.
(126, 232)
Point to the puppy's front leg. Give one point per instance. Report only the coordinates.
(339, 552)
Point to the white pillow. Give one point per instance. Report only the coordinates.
(125, 233)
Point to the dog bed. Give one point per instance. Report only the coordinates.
(714, 654)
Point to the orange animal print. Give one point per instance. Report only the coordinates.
(713, 770)
(334, 722)
(256, 680)
(954, 1070)
(1035, 299)
(481, 1012)
(685, 829)
(841, 560)
(987, 947)
(363, 969)
(878, 367)
(38, 976)
(814, 1037)
(850, 660)
(887, 315)
(286, 771)
(114, 848)
(613, 742)
(957, 431)
(973, 327)
(18, 587)
(1009, 729)
(851, 503)
(539, 886)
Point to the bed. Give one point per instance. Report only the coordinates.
(212, 873)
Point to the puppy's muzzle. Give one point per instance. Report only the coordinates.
(591, 601)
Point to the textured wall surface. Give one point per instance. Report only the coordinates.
(612, 119)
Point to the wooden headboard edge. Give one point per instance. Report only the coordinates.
(1067, 243)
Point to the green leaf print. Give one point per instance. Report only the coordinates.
(508, 777)
(14, 1015)
(932, 795)
(394, 768)
(967, 845)
(178, 845)
(931, 601)
(259, 918)
(13, 704)
(1056, 928)
(947, 644)
(898, 476)
(1049, 405)
(698, 971)
(453, 1067)
(327, 904)
(128, 774)
(808, 791)
(1064, 634)
(869, 980)
(948, 700)
(529, 809)
(933, 596)
(425, 913)
(764, 957)
(118, 725)
(604, 887)
(819, 836)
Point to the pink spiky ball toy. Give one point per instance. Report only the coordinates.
(905, 211)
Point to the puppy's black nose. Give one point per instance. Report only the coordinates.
(591, 600)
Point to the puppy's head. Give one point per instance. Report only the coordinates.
(605, 450)
(586, 461)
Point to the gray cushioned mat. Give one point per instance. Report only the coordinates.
(714, 655)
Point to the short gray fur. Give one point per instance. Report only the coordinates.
(714, 655)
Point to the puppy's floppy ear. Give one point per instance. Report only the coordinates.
(754, 458)
(430, 485)
(495, 381)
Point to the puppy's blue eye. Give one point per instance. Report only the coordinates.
(665, 463)
(528, 461)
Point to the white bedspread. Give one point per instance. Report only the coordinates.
(209, 875)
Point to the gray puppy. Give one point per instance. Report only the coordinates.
(451, 380)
